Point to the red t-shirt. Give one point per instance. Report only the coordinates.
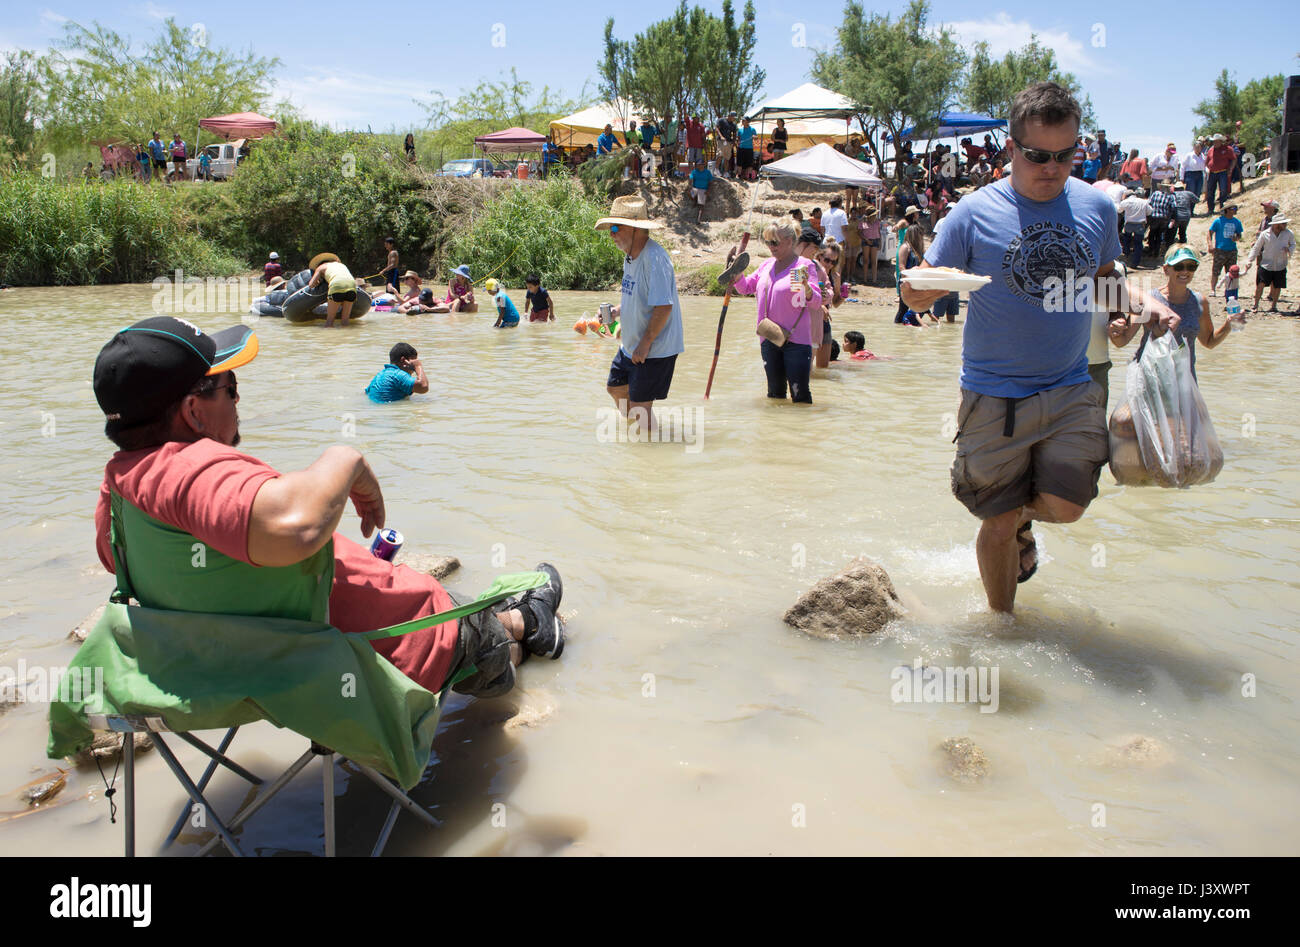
(694, 134)
(270, 271)
(1220, 158)
(207, 489)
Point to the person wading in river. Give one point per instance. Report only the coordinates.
(1031, 431)
(649, 313)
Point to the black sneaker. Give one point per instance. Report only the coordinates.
(547, 639)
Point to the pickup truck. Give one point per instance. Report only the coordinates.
(225, 157)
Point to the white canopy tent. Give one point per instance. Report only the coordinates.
(583, 128)
(809, 101)
(822, 164)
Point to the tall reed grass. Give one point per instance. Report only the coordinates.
(88, 232)
(547, 229)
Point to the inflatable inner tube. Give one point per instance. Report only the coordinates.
(272, 304)
(297, 281)
(305, 304)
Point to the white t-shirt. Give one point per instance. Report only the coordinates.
(1193, 162)
(834, 221)
(1162, 169)
(1135, 209)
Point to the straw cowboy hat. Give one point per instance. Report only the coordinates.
(320, 258)
(275, 282)
(410, 274)
(628, 212)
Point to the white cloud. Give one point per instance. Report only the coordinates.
(1004, 34)
(352, 99)
(50, 18)
(152, 11)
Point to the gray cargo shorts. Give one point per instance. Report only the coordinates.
(482, 641)
(1010, 449)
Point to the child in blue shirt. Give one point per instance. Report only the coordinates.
(507, 314)
(403, 375)
(701, 178)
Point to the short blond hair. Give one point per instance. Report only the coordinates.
(780, 230)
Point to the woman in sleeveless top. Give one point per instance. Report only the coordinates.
(1192, 307)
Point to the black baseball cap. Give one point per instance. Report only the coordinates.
(810, 235)
(156, 362)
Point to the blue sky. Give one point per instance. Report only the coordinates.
(1144, 66)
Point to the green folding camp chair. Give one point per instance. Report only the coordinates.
(167, 670)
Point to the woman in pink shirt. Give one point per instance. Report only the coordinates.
(787, 365)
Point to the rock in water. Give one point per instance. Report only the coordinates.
(963, 760)
(860, 600)
(84, 626)
(1137, 751)
(108, 746)
(437, 566)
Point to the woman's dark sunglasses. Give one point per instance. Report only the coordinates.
(1039, 156)
(1184, 267)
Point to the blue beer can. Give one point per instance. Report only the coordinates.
(386, 544)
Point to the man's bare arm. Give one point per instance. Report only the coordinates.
(295, 514)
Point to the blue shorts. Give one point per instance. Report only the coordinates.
(648, 381)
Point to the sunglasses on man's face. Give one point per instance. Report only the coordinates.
(1041, 156)
(232, 388)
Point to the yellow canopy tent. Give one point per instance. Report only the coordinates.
(583, 128)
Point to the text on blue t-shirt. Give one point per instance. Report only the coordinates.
(1012, 346)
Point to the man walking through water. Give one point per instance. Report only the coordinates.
(649, 314)
(1031, 429)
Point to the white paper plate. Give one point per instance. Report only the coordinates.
(926, 279)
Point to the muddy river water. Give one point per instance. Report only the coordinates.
(684, 716)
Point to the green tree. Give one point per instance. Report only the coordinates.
(1257, 105)
(992, 84)
(19, 99)
(691, 62)
(897, 72)
(99, 88)
(489, 107)
(729, 80)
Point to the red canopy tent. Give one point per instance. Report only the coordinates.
(239, 125)
(511, 140)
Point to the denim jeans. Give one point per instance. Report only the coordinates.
(788, 364)
(1217, 179)
(1131, 239)
(1195, 180)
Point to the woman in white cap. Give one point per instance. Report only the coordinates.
(649, 314)
(460, 291)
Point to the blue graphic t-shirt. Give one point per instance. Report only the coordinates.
(1223, 228)
(391, 384)
(649, 281)
(1012, 346)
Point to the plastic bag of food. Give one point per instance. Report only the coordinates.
(1161, 432)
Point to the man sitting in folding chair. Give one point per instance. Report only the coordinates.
(169, 394)
(191, 525)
